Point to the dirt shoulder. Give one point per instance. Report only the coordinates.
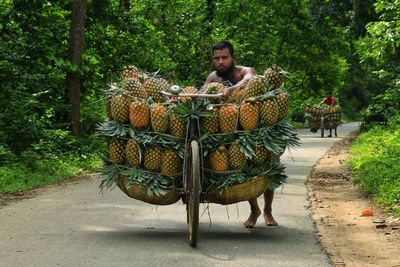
(349, 238)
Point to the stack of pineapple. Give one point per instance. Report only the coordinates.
(242, 138)
(332, 117)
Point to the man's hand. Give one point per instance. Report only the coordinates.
(226, 91)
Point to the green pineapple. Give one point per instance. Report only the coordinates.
(171, 164)
(262, 155)
(152, 158)
(269, 112)
(237, 159)
(119, 107)
(116, 151)
(134, 87)
(282, 99)
(274, 76)
(133, 153)
(159, 118)
(256, 86)
(210, 124)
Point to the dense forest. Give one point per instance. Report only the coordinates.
(58, 57)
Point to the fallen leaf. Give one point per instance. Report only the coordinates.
(367, 213)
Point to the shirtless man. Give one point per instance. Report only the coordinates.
(225, 71)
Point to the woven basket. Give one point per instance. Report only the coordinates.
(140, 193)
(314, 125)
(237, 193)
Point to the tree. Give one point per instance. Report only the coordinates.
(76, 46)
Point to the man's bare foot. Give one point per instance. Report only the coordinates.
(269, 219)
(252, 220)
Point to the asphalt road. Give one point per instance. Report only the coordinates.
(75, 225)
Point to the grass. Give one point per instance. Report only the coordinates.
(375, 158)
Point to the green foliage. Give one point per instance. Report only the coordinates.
(374, 160)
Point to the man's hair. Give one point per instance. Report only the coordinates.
(223, 45)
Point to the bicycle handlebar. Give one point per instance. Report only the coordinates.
(219, 95)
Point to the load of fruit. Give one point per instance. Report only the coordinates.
(331, 117)
(241, 139)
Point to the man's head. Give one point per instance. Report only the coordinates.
(223, 58)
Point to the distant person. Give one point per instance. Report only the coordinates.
(329, 100)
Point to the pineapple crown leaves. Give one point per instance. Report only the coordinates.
(110, 175)
(261, 98)
(246, 145)
(164, 140)
(221, 181)
(274, 170)
(111, 128)
(193, 109)
(156, 183)
(286, 133)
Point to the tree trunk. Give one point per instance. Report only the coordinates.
(76, 45)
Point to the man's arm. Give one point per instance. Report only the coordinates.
(247, 73)
(212, 77)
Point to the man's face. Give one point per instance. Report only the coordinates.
(223, 61)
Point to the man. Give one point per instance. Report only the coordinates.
(226, 71)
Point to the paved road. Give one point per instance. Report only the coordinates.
(77, 226)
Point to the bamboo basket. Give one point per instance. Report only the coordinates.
(140, 193)
(237, 193)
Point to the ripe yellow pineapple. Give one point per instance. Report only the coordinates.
(237, 96)
(210, 124)
(152, 158)
(130, 72)
(256, 86)
(237, 159)
(228, 118)
(133, 153)
(268, 112)
(219, 159)
(116, 151)
(248, 115)
(274, 76)
(171, 164)
(159, 118)
(134, 87)
(119, 107)
(282, 99)
(139, 114)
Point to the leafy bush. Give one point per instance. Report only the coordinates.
(375, 165)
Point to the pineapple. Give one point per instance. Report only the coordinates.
(119, 107)
(210, 124)
(159, 118)
(177, 125)
(108, 105)
(214, 87)
(256, 86)
(134, 87)
(237, 95)
(248, 115)
(269, 112)
(282, 99)
(152, 86)
(228, 118)
(274, 76)
(130, 72)
(152, 158)
(237, 159)
(116, 151)
(188, 90)
(133, 153)
(262, 155)
(219, 161)
(139, 114)
(171, 164)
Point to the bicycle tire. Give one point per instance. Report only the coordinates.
(193, 198)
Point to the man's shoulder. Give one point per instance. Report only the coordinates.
(245, 69)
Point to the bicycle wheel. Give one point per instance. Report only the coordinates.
(193, 191)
